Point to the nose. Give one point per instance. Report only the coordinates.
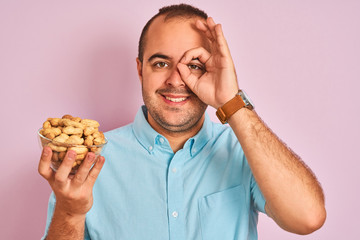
(174, 79)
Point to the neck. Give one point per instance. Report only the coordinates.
(176, 139)
(177, 142)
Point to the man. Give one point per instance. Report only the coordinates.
(172, 173)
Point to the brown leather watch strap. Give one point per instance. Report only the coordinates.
(229, 108)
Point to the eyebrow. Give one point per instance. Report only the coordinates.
(158, 55)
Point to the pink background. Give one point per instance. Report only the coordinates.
(298, 60)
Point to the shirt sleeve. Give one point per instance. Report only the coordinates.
(50, 212)
(257, 196)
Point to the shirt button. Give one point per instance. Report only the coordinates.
(161, 140)
(150, 148)
(175, 214)
(174, 170)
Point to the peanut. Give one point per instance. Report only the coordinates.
(57, 148)
(55, 122)
(95, 150)
(79, 150)
(98, 134)
(72, 130)
(75, 139)
(99, 141)
(89, 141)
(80, 157)
(62, 155)
(90, 123)
(68, 122)
(46, 125)
(55, 131)
(55, 157)
(61, 138)
(49, 135)
(76, 119)
(90, 130)
(67, 116)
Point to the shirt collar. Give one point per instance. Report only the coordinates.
(201, 138)
(144, 133)
(148, 137)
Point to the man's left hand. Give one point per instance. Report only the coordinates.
(218, 84)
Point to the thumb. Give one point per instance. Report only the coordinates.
(186, 75)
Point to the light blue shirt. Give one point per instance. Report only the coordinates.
(204, 191)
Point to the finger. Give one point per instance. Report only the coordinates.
(196, 53)
(205, 29)
(45, 162)
(201, 25)
(84, 169)
(217, 33)
(222, 43)
(189, 78)
(211, 24)
(64, 170)
(94, 172)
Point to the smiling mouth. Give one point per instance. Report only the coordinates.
(177, 100)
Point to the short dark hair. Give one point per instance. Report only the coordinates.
(172, 11)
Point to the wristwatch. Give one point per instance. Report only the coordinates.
(228, 109)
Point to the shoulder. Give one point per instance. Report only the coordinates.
(118, 139)
(118, 133)
(121, 130)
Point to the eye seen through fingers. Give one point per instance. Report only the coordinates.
(196, 68)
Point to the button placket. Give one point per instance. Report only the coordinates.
(176, 195)
(175, 214)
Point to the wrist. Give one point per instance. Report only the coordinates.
(65, 225)
(226, 98)
(239, 101)
(68, 216)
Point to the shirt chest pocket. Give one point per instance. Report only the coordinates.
(225, 215)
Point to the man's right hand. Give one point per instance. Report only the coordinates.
(73, 193)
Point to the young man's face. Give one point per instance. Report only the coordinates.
(171, 104)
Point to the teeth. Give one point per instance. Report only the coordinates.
(175, 99)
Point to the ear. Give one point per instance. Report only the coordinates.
(139, 68)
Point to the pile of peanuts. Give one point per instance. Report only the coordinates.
(68, 131)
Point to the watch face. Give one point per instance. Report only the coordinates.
(248, 103)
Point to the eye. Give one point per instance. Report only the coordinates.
(161, 64)
(194, 67)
